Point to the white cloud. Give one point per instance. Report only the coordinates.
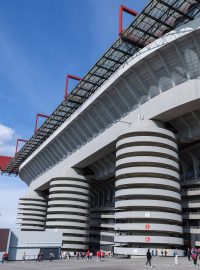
(6, 133)
(7, 137)
(8, 210)
(7, 150)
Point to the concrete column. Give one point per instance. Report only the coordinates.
(32, 211)
(148, 201)
(68, 209)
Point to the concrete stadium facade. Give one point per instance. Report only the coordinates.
(123, 171)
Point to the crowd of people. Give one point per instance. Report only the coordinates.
(150, 254)
(40, 257)
(194, 255)
(88, 255)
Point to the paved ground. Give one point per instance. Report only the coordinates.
(107, 264)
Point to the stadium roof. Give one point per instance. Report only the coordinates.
(156, 19)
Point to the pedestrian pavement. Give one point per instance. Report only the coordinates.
(137, 263)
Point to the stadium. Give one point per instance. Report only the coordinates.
(116, 165)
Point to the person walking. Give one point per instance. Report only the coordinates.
(188, 254)
(88, 255)
(149, 258)
(102, 254)
(5, 257)
(24, 257)
(156, 253)
(98, 256)
(68, 255)
(194, 258)
(51, 256)
(91, 255)
(1, 257)
(176, 256)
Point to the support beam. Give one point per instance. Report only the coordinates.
(69, 76)
(127, 10)
(36, 121)
(19, 140)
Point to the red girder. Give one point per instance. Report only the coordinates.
(69, 76)
(19, 140)
(127, 10)
(36, 121)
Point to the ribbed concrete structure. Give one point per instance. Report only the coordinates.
(68, 210)
(32, 212)
(148, 201)
(159, 82)
(102, 216)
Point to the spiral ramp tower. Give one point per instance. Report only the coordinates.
(148, 201)
(68, 210)
(32, 212)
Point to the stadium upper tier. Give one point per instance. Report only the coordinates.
(157, 19)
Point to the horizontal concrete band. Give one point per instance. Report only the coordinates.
(148, 215)
(32, 212)
(35, 222)
(101, 242)
(106, 233)
(192, 230)
(102, 222)
(68, 189)
(73, 231)
(149, 170)
(33, 197)
(191, 216)
(147, 159)
(58, 224)
(147, 192)
(148, 145)
(55, 196)
(80, 183)
(65, 209)
(153, 150)
(142, 251)
(191, 205)
(163, 183)
(24, 202)
(32, 227)
(148, 204)
(66, 216)
(71, 175)
(145, 139)
(191, 192)
(66, 203)
(75, 238)
(72, 247)
(103, 225)
(148, 129)
(149, 239)
(34, 207)
(30, 217)
(148, 227)
(104, 216)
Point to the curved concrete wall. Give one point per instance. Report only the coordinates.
(161, 67)
(68, 210)
(148, 201)
(32, 212)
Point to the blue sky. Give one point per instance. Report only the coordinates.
(40, 42)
